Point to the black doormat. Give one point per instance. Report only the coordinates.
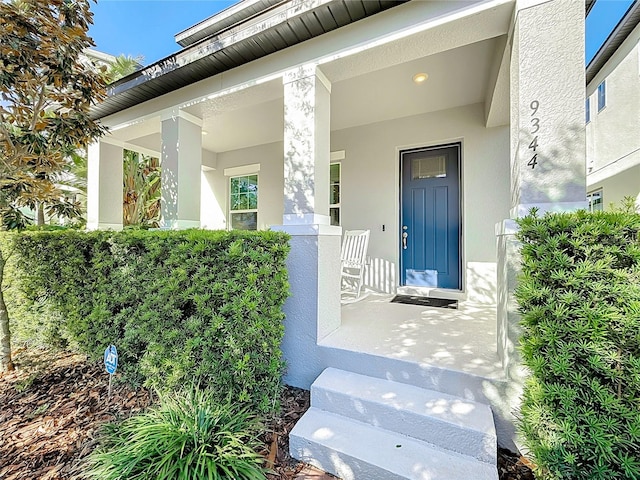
(425, 301)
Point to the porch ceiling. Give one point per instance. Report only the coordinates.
(372, 83)
(254, 116)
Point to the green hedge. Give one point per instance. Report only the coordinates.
(181, 306)
(579, 296)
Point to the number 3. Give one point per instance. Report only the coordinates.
(536, 124)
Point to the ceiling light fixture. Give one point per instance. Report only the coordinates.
(204, 132)
(419, 78)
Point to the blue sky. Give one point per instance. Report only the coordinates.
(147, 27)
(601, 20)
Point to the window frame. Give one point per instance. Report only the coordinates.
(587, 110)
(591, 195)
(336, 205)
(246, 210)
(602, 95)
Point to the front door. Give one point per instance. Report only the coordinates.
(430, 223)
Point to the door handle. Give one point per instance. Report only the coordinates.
(404, 240)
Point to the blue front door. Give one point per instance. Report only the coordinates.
(430, 224)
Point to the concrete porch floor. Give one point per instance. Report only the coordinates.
(462, 340)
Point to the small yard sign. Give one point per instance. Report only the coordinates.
(111, 359)
(111, 362)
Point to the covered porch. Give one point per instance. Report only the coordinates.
(254, 146)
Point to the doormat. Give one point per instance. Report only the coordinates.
(425, 301)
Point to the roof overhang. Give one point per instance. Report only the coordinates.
(275, 28)
(625, 26)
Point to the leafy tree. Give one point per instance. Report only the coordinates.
(141, 181)
(122, 66)
(46, 91)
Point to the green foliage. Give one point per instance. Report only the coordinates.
(188, 436)
(46, 91)
(181, 306)
(141, 181)
(579, 295)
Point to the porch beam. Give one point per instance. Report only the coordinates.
(181, 170)
(497, 95)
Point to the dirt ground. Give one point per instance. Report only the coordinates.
(53, 405)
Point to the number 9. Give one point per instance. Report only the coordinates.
(534, 106)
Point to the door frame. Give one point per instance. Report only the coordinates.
(410, 289)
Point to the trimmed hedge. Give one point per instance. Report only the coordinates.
(181, 306)
(579, 295)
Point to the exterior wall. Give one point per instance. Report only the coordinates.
(215, 209)
(370, 189)
(613, 134)
(618, 186)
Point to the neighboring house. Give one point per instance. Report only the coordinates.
(99, 59)
(441, 120)
(613, 116)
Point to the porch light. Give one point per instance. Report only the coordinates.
(419, 78)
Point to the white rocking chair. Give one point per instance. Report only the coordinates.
(354, 256)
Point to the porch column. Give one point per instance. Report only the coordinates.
(181, 170)
(313, 309)
(547, 151)
(547, 107)
(104, 185)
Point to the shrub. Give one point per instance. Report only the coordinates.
(181, 306)
(579, 295)
(188, 436)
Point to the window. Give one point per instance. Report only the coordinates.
(595, 201)
(602, 96)
(587, 110)
(243, 202)
(334, 193)
(429, 167)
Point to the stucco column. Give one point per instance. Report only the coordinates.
(104, 185)
(313, 309)
(548, 149)
(181, 170)
(306, 146)
(547, 107)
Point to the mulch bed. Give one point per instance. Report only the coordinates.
(53, 406)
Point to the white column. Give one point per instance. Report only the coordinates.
(306, 147)
(181, 170)
(313, 309)
(547, 107)
(104, 186)
(547, 148)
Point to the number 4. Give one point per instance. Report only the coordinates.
(534, 161)
(534, 144)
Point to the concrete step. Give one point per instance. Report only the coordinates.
(451, 423)
(353, 450)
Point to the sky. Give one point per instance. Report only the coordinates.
(147, 27)
(604, 16)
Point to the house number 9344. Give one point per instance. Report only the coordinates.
(535, 127)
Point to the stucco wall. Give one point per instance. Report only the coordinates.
(614, 132)
(616, 187)
(370, 188)
(215, 203)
